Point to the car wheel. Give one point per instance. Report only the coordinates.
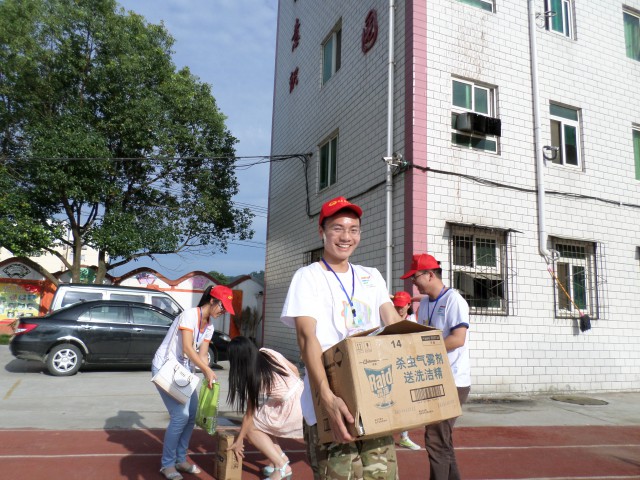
(64, 360)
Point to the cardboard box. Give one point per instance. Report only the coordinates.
(227, 465)
(392, 379)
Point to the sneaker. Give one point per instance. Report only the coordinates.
(408, 443)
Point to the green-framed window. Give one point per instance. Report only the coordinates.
(328, 163)
(559, 17)
(575, 283)
(332, 53)
(636, 150)
(632, 34)
(479, 268)
(565, 135)
(483, 4)
(468, 96)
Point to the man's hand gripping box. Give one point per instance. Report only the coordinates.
(392, 379)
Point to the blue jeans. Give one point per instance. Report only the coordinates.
(181, 424)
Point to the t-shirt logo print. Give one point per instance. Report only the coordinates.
(362, 320)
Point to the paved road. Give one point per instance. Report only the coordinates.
(94, 398)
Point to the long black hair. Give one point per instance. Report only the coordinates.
(251, 373)
(206, 296)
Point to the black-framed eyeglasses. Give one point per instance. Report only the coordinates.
(221, 306)
(414, 277)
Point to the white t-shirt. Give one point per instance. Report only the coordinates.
(448, 312)
(315, 292)
(172, 343)
(412, 317)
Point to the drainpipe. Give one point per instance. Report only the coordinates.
(542, 229)
(389, 154)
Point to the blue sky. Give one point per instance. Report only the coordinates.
(229, 44)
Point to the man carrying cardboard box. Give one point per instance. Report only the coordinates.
(327, 301)
(445, 309)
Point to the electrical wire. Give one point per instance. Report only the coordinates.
(492, 183)
(259, 159)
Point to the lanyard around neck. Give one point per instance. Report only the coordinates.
(442, 292)
(199, 326)
(353, 285)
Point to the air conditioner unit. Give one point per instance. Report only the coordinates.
(476, 123)
(494, 126)
(471, 122)
(464, 122)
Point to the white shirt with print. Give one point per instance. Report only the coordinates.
(315, 292)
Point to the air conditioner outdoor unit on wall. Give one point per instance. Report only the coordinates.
(464, 122)
(476, 123)
(471, 122)
(494, 127)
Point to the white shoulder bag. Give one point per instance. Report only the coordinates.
(175, 379)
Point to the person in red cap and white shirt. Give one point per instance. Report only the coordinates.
(402, 303)
(327, 301)
(190, 331)
(446, 310)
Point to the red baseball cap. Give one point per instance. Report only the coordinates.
(334, 206)
(225, 295)
(423, 261)
(401, 299)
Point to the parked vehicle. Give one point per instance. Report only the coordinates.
(72, 293)
(105, 332)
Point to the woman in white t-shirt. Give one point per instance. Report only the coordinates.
(402, 302)
(190, 331)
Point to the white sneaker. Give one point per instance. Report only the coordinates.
(408, 443)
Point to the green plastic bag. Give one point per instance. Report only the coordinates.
(207, 414)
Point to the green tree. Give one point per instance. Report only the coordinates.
(104, 143)
(221, 278)
(258, 274)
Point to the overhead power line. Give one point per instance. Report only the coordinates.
(492, 183)
(240, 160)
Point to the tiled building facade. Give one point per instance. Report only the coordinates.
(463, 119)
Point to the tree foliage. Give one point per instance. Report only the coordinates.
(104, 142)
(258, 275)
(221, 278)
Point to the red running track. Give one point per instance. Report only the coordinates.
(602, 452)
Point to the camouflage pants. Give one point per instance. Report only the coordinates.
(373, 459)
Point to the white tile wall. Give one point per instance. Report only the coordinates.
(530, 351)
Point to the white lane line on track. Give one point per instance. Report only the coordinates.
(597, 477)
(117, 455)
(538, 447)
(554, 447)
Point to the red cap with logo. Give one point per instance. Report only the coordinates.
(334, 206)
(225, 295)
(401, 299)
(423, 261)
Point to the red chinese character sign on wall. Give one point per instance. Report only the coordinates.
(370, 31)
(295, 39)
(293, 80)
